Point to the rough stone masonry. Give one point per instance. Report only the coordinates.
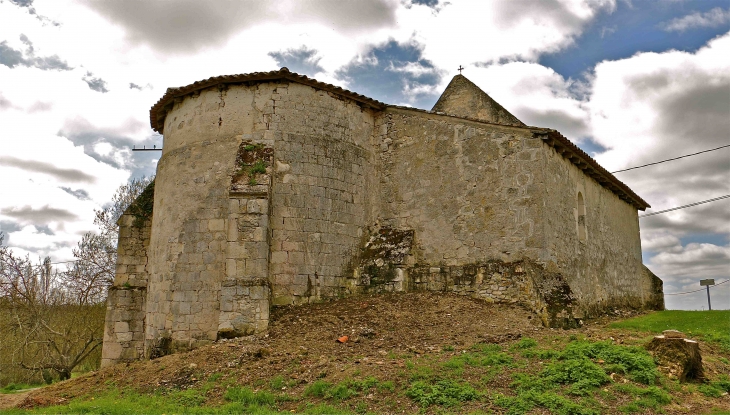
(274, 188)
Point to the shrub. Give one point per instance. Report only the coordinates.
(444, 392)
(525, 343)
(258, 167)
(635, 361)
(578, 370)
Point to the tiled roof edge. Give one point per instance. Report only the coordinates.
(157, 113)
(591, 167)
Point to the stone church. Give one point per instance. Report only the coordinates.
(274, 189)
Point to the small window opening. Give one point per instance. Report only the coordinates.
(581, 218)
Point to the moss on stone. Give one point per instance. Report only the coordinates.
(251, 161)
(142, 207)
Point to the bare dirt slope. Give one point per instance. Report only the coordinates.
(11, 400)
(384, 332)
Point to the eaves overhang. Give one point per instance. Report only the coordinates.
(590, 167)
(158, 112)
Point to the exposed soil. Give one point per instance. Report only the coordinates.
(11, 400)
(384, 333)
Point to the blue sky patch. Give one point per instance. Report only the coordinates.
(395, 74)
(639, 27)
(303, 61)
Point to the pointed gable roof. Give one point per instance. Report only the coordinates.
(462, 98)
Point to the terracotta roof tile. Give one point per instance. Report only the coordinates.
(157, 112)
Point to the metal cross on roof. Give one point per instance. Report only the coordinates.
(461, 68)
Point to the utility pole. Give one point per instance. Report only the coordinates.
(706, 284)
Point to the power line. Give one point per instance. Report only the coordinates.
(685, 206)
(701, 289)
(675, 158)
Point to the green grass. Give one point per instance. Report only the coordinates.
(710, 326)
(14, 387)
(572, 377)
(123, 403)
(248, 397)
(239, 401)
(557, 404)
(346, 389)
(716, 388)
(631, 360)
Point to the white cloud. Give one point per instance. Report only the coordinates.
(660, 240)
(536, 95)
(654, 106)
(468, 32)
(712, 18)
(682, 270)
(185, 26)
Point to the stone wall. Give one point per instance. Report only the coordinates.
(386, 265)
(126, 300)
(217, 251)
(475, 193)
(468, 190)
(245, 291)
(190, 236)
(603, 266)
(322, 191)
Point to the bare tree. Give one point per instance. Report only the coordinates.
(53, 324)
(55, 320)
(96, 254)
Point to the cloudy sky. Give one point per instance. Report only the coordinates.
(630, 81)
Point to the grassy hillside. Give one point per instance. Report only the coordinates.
(711, 326)
(413, 353)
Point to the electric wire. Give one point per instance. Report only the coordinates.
(675, 158)
(701, 289)
(685, 206)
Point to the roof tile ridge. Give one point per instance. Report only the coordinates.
(593, 163)
(282, 73)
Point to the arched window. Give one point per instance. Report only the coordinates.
(581, 208)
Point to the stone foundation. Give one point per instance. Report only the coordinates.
(124, 325)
